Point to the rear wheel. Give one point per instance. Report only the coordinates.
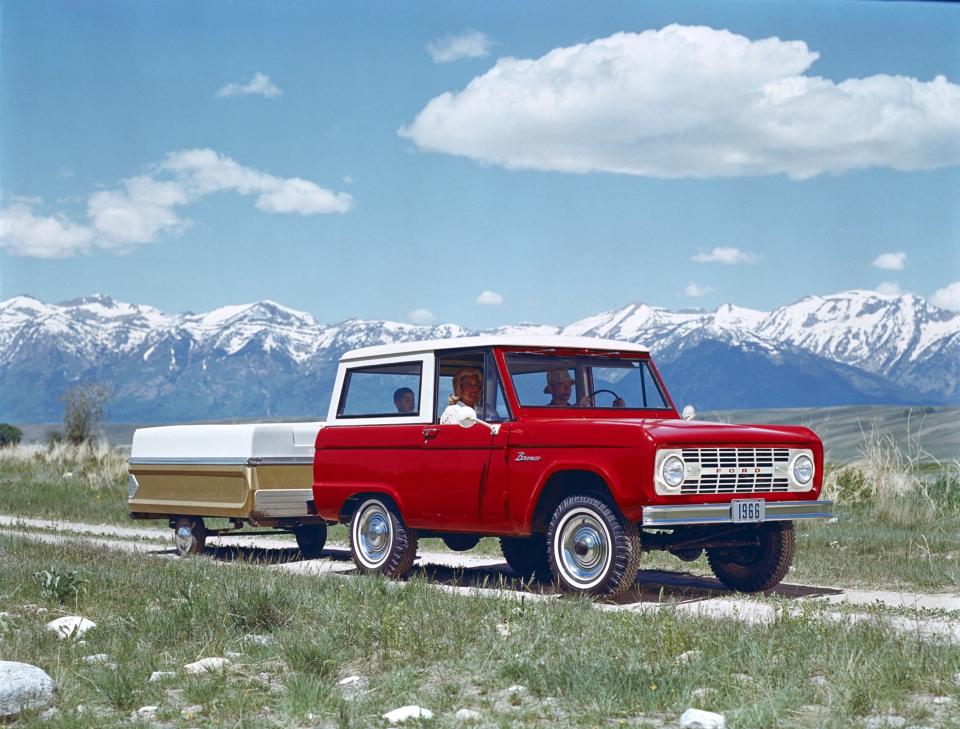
(756, 568)
(593, 548)
(527, 556)
(311, 538)
(189, 535)
(380, 542)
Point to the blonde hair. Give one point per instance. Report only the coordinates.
(458, 379)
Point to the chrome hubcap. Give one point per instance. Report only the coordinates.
(583, 547)
(374, 534)
(184, 539)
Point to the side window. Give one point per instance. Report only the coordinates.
(381, 391)
(463, 364)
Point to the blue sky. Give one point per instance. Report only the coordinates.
(398, 160)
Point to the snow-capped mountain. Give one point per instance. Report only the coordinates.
(263, 359)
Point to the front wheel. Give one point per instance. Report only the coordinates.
(593, 549)
(311, 539)
(189, 535)
(380, 543)
(756, 568)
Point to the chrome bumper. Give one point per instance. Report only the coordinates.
(683, 514)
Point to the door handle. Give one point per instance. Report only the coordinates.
(429, 433)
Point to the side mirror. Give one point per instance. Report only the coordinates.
(467, 418)
(688, 412)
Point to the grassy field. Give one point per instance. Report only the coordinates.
(577, 666)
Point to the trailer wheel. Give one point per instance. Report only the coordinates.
(755, 569)
(311, 538)
(380, 543)
(593, 548)
(189, 535)
(527, 556)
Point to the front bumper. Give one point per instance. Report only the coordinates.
(684, 514)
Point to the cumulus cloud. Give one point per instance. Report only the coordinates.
(422, 316)
(890, 261)
(725, 254)
(24, 234)
(142, 208)
(695, 291)
(948, 297)
(890, 288)
(260, 85)
(470, 44)
(490, 298)
(691, 102)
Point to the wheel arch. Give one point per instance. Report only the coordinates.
(352, 503)
(561, 483)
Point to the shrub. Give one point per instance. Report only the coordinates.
(83, 411)
(10, 435)
(59, 587)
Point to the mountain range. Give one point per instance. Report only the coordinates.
(265, 360)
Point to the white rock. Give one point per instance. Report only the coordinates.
(688, 657)
(161, 676)
(190, 712)
(956, 679)
(819, 681)
(99, 658)
(50, 713)
(697, 719)
(407, 712)
(889, 721)
(467, 715)
(516, 689)
(144, 713)
(213, 663)
(940, 700)
(232, 654)
(503, 629)
(23, 686)
(71, 626)
(262, 640)
(348, 680)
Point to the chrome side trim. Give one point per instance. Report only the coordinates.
(683, 514)
(239, 461)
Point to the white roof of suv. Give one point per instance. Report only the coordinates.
(494, 340)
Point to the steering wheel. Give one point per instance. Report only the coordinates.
(591, 398)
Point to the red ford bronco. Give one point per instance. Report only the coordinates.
(568, 449)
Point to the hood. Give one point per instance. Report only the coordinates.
(701, 432)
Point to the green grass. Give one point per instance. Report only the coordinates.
(411, 644)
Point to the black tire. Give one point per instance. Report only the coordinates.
(380, 543)
(461, 542)
(311, 538)
(527, 556)
(755, 569)
(593, 549)
(189, 535)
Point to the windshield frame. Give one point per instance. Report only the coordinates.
(502, 353)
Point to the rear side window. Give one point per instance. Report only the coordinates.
(381, 391)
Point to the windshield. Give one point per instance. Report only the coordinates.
(546, 380)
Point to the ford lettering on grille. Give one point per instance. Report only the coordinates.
(735, 470)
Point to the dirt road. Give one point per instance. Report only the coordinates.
(935, 616)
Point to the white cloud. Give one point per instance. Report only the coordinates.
(143, 207)
(725, 254)
(24, 234)
(695, 291)
(691, 102)
(422, 316)
(890, 288)
(260, 84)
(890, 261)
(470, 44)
(490, 298)
(948, 297)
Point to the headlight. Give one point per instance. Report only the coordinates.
(672, 471)
(802, 469)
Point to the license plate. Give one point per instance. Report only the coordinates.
(747, 510)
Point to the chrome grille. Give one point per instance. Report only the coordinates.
(735, 470)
